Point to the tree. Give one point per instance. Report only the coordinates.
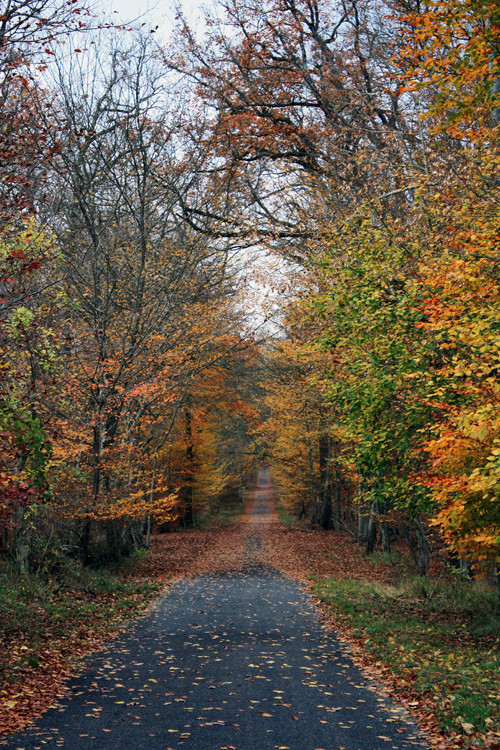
(25, 362)
(459, 53)
(26, 31)
(303, 102)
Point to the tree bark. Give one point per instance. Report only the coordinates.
(362, 520)
(188, 483)
(325, 461)
(314, 491)
(338, 492)
(371, 534)
(384, 532)
(423, 548)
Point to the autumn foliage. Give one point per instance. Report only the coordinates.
(358, 143)
(338, 160)
(379, 127)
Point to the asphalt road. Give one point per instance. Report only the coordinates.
(227, 661)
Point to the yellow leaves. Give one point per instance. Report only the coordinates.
(132, 506)
(477, 432)
(467, 727)
(461, 309)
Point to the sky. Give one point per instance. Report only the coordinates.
(261, 286)
(159, 13)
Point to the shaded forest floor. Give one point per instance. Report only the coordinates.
(439, 660)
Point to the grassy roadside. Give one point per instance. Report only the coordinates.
(286, 518)
(290, 521)
(226, 514)
(434, 642)
(439, 641)
(48, 621)
(35, 609)
(230, 513)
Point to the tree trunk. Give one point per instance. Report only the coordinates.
(135, 535)
(384, 532)
(338, 490)
(405, 531)
(96, 487)
(20, 549)
(325, 460)
(312, 481)
(371, 534)
(302, 511)
(112, 532)
(188, 484)
(362, 521)
(384, 536)
(423, 548)
(85, 541)
(465, 570)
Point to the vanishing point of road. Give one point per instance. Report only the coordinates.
(228, 661)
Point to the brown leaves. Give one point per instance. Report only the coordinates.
(184, 553)
(291, 551)
(43, 670)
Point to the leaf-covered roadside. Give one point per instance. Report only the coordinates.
(47, 625)
(432, 643)
(435, 644)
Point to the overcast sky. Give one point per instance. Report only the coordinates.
(153, 12)
(267, 279)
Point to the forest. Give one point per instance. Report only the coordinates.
(335, 160)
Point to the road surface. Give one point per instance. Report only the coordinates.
(237, 661)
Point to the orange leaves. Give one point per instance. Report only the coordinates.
(461, 312)
(456, 58)
(164, 507)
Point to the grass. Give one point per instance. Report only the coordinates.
(230, 513)
(284, 515)
(288, 517)
(227, 513)
(36, 610)
(440, 639)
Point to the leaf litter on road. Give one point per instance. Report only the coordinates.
(249, 633)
